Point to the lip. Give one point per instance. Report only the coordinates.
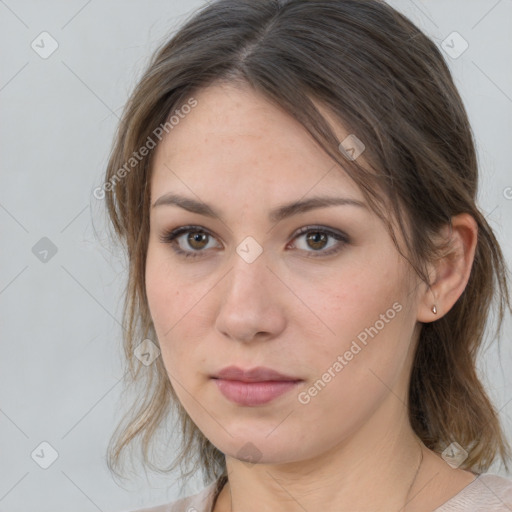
(257, 374)
(253, 387)
(251, 394)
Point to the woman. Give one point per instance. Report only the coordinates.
(295, 186)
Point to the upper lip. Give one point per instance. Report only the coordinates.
(257, 374)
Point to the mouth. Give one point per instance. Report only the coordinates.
(258, 374)
(251, 394)
(253, 387)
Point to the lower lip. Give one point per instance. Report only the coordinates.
(253, 393)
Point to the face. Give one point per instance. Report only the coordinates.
(320, 294)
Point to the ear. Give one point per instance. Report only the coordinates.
(449, 275)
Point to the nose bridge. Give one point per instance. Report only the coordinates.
(249, 279)
(248, 305)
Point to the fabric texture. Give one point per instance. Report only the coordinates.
(487, 493)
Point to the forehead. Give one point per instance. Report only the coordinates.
(235, 135)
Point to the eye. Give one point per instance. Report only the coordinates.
(197, 239)
(317, 238)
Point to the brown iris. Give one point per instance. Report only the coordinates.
(317, 238)
(197, 237)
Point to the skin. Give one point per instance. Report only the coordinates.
(294, 310)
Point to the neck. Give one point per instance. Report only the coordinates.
(354, 475)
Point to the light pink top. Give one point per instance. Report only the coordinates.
(487, 493)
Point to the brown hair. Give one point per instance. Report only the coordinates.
(386, 82)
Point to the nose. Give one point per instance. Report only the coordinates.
(250, 304)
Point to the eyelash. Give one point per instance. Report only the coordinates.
(171, 236)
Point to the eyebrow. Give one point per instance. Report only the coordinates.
(277, 214)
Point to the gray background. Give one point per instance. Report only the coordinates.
(60, 364)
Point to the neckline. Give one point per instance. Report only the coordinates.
(456, 497)
(217, 486)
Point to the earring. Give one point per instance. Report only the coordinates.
(434, 309)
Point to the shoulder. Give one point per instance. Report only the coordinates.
(487, 493)
(200, 502)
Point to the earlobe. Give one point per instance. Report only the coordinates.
(450, 273)
(428, 308)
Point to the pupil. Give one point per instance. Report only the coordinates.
(315, 238)
(198, 237)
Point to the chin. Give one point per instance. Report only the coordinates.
(257, 447)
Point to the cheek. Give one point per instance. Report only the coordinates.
(160, 294)
(164, 288)
(354, 298)
(163, 295)
(163, 301)
(365, 311)
(174, 300)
